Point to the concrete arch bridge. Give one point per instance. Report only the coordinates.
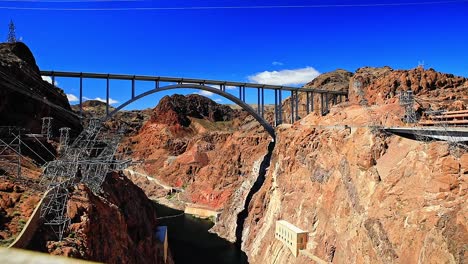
(218, 87)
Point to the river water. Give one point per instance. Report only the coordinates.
(190, 241)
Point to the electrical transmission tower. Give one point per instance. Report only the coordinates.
(11, 32)
(87, 160)
(47, 127)
(10, 151)
(407, 101)
(64, 139)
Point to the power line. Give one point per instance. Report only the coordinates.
(226, 7)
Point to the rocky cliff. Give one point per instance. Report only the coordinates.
(118, 226)
(364, 196)
(25, 98)
(370, 86)
(209, 151)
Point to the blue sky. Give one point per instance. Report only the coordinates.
(236, 44)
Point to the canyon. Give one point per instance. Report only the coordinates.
(364, 195)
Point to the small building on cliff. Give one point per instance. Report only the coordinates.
(293, 237)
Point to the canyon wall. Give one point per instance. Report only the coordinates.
(207, 150)
(25, 98)
(363, 195)
(118, 226)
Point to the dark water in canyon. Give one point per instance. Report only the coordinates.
(190, 241)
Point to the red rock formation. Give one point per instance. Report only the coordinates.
(433, 89)
(364, 196)
(17, 202)
(379, 86)
(116, 227)
(212, 156)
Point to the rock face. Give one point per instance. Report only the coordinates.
(364, 196)
(177, 109)
(337, 80)
(117, 227)
(432, 88)
(377, 86)
(22, 93)
(209, 151)
(17, 202)
(131, 120)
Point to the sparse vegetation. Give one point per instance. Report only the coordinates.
(16, 213)
(21, 223)
(7, 242)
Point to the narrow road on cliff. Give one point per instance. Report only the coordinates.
(166, 187)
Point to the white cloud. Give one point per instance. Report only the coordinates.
(277, 63)
(218, 100)
(204, 93)
(49, 80)
(285, 77)
(111, 101)
(72, 98)
(231, 87)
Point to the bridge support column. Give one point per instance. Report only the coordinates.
(276, 107)
(243, 94)
(312, 102)
(53, 79)
(280, 104)
(240, 93)
(292, 106)
(133, 87)
(107, 95)
(322, 106)
(326, 103)
(258, 101)
(81, 94)
(296, 97)
(307, 102)
(263, 103)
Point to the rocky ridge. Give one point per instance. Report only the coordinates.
(117, 226)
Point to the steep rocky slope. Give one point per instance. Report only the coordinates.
(25, 98)
(432, 89)
(210, 151)
(117, 226)
(364, 196)
(17, 202)
(132, 120)
(376, 86)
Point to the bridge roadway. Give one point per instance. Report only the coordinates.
(214, 86)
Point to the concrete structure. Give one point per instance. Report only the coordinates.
(161, 236)
(451, 134)
(447, 118)
(29, 230)
(201, 212)
(19, 256)
(292, 236)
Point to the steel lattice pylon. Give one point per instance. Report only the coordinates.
(47, 127)
(90, 156)
(407, 101)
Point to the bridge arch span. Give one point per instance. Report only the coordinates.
(245, 106)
